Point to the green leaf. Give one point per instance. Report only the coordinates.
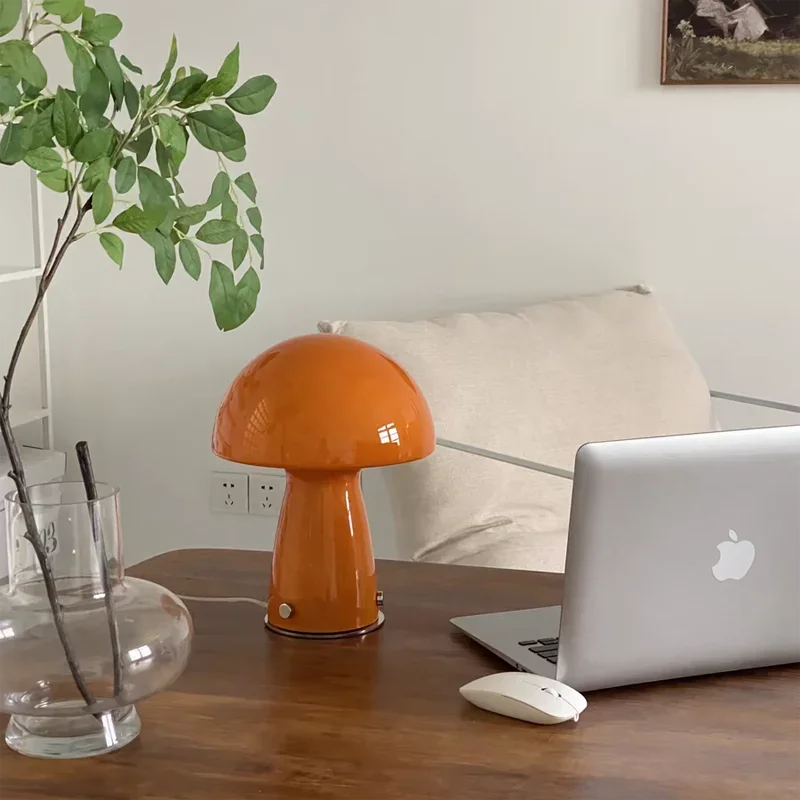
(154, 191)
(233, 303)
(141, 145)
(253, 95)
(102, 202)
(164, 250)
(59, 180)
(77, 12)
(190, 258)
(134, 220)
(97, 173)
(71, 47)
(254, 215)
(192, 215)
(198, 96)
(165, 227)
(12, 147)
(9, 15)
(163, 159)
(114, 246)
(40, 133)
(216, 130)
(95, 144)
(217, 231)
(107, 61)
(66, 119)
(131, 99)
(126, 175)
(82, 67)
(228, 74)
(171, 59)
(43, 159)
(29, 92)
(88, 15)
(94, 101)
(229, 210)
(239, 248)
(248, 186)
(68, 10)
(183, 88)
(175, 138)
(168, 129)
(20, 57)
(126, 62)
(219, 189)
(9, 93)
(100, 29)
(240, 154)
(258, 242)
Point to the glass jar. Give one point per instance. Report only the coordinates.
(70, 687)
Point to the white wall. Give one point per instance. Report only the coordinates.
(421, 157)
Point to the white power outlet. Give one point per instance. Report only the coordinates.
(229, 492)
(266, 493)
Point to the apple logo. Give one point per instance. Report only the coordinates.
(735, 559)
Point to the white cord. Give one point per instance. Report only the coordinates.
(224, 600)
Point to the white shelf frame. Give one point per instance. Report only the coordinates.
(20, 274)
(43, 317)
(21, 415)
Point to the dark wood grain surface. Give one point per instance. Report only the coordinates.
(262, 716)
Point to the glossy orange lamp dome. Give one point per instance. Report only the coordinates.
(323, 407)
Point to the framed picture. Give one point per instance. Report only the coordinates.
(731, 41)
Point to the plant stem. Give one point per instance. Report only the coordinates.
(19, 108)
(233, 190)
(17, 473)
(46, 36)
(87, 473)
(47, 571)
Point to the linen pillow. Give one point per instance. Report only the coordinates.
(535, 383)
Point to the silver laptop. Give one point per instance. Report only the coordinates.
(683, 558)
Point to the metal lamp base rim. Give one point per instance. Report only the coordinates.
(336, 635)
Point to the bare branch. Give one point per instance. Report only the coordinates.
(87, 473)
(17, 473)
(46, 36)
(53, 262)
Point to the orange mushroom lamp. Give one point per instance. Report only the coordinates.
(323, 407)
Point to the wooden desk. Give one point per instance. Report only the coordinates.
(262, 716)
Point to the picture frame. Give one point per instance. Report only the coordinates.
(734, 42)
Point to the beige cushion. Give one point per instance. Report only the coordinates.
(536, 383)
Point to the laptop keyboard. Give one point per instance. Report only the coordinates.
(546, 648)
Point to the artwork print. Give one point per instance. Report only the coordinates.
(731, 41)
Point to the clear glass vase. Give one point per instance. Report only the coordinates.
(126, 638)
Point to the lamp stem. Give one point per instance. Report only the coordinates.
(323, 570)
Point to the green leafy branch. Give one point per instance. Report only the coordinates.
(76, 136)
(112, 139)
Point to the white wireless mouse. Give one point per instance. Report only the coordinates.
(531, 698)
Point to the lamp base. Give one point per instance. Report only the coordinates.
(337, 635)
